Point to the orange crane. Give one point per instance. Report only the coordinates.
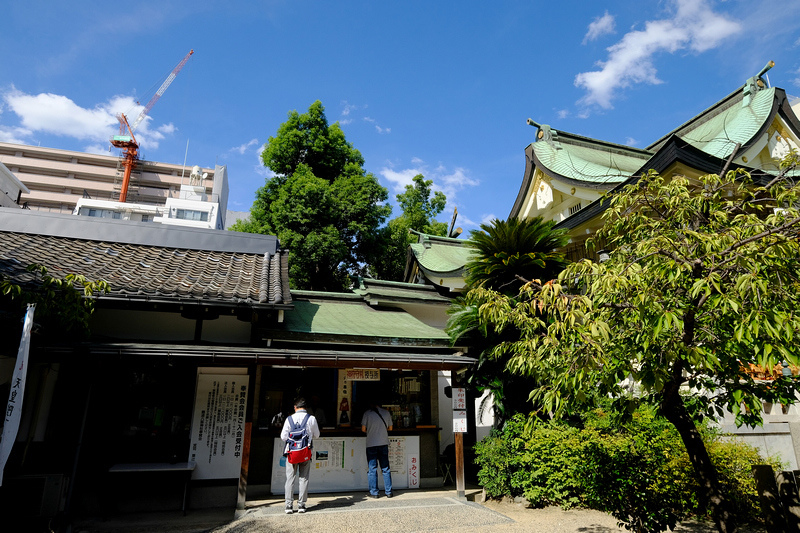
(128, 142)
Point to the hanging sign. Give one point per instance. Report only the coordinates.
(14, 405)
(362, 374)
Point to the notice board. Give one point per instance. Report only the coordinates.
(218, 421)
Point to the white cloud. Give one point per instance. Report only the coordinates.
(562, 113)
(450, 182)
(693, 26)
(600, 26)
(259, 167)
(378, 127)
(630, 141)
(99, 149)
(58, 115)
(14, 135)
(242, 148)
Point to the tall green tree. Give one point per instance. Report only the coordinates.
(702, 282)
(505, 253)
(321, 204)
(420, 206)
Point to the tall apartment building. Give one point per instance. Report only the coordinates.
(57, 179)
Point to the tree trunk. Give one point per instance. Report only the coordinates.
(674, 410)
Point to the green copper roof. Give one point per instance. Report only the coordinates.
(588, 160)
(357, 319)
(717, 129)
(441, 255)
(397, 291)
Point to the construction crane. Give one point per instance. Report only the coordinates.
(128, 141)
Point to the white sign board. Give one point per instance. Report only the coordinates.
(218, 425)
(339, 464)
(459, 421)
(459, 399)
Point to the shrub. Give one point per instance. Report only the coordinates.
(639, 472)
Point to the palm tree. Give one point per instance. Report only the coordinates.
(507, 250)
(507, 254)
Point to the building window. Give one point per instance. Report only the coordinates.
(188, 214)
(146, 218)
(574, 209)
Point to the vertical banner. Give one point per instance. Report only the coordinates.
(343, 395)
(14, 406)
(218, 425)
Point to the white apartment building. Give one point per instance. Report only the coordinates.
(57, 180)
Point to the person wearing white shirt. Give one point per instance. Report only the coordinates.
(302, 469)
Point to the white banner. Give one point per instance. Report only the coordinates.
(218, 425)
(15, 396)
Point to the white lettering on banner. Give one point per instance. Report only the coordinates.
(17, 392)
(362, 374)
(459, 399)
(218, 426)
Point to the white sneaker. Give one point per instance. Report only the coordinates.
(301, 509)
(288, 510)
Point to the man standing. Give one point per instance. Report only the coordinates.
(376, 423)
(303, 469)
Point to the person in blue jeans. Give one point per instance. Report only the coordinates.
(376, 423)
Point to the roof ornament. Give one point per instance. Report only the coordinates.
(546, 133)
(755, 84)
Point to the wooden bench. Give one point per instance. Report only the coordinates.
(187, 467)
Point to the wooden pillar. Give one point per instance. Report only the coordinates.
(242, 495)
(461, 485)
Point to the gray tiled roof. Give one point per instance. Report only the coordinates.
(143, 270)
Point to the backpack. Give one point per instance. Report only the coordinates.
(298, 445)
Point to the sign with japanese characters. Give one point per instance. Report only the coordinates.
(15, 395)
(362, 374)
(459, 399)
(413, 472)
(459, 421)
(218, 421)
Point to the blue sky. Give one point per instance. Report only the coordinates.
(439, 88)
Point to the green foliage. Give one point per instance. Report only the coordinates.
(504, 250)
(507, 250)
(321, 204)
(702, 282)
(63, 305)
(419, 214)
(638, 472)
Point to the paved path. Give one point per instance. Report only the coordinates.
(409, 511)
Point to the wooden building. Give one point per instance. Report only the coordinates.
(195, 353)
